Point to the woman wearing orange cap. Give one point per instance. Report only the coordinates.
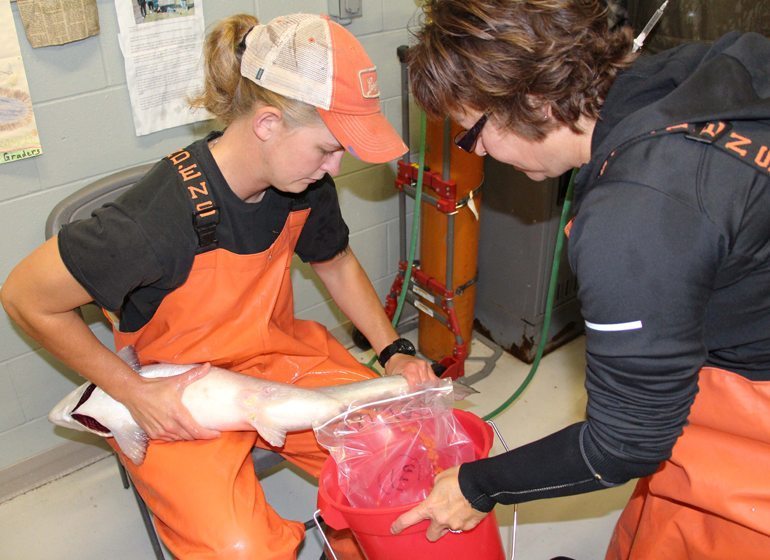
(194, 262)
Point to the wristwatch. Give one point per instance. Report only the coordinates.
(400, 346)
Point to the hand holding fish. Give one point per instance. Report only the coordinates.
(215, 399)
(158, 409)
(417, 372)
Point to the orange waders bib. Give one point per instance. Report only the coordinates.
(711, 499)
(236, 312)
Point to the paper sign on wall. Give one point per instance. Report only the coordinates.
(55, 22)
(162, 42)
(18, 131)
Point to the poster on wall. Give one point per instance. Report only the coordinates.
(162, 45)
(56, 22)
(18, 131)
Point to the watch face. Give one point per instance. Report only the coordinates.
(400, 346)
(406, 347)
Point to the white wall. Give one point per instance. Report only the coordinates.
(84, 119)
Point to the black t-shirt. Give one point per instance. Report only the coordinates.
(134, 251)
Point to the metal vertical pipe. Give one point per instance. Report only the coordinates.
(450, 221)
(450, 218)
(401, 52)
(446, 149)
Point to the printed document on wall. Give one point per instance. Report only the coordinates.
(162, 45)
(18, 131)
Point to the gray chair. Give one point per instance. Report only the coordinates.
(79, 205)
(82, 202)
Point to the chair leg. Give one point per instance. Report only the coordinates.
(122, 471)
(144, 511)
(148, 525)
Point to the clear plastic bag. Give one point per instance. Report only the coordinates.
(388, 452)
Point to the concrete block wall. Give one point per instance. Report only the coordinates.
(84, 119)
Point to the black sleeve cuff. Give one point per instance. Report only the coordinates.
(551, 467)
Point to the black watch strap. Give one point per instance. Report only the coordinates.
(400, 346)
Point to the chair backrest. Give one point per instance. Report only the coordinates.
(82, 202)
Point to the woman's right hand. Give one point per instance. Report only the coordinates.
(157, 407)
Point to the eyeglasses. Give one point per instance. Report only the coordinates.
(466, 139)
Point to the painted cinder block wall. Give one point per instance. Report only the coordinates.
(84, 119)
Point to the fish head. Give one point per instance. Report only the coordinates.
(73, 411)
(61, 414)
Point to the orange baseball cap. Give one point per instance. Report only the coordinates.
(317, 61)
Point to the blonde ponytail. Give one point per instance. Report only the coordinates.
(226, 94)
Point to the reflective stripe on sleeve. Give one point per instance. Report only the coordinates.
(612, 327)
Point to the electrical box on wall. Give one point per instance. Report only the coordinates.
(345, 10)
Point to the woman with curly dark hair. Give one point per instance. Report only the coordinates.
(670, 243)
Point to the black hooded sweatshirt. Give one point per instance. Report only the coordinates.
(671, 247)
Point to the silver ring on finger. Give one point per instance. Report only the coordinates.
(455, 531)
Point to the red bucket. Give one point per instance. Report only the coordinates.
(371, 527)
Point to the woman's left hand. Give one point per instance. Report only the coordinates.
(445, 507)
(416, 371)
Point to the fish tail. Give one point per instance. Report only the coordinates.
(460, 390)
(132, 441)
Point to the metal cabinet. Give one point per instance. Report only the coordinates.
(520, 218)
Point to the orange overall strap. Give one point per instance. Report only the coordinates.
(711, 499)
(205, 213)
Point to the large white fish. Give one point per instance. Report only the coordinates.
(226, 401)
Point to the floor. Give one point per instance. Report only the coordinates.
(89, 516)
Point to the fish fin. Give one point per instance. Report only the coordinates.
(273, 436)
(132, 441)
(461, 391)
(128, 354)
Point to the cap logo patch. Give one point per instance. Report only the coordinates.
(368, 80)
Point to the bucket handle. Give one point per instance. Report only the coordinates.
(317, 519)
(515, 506)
